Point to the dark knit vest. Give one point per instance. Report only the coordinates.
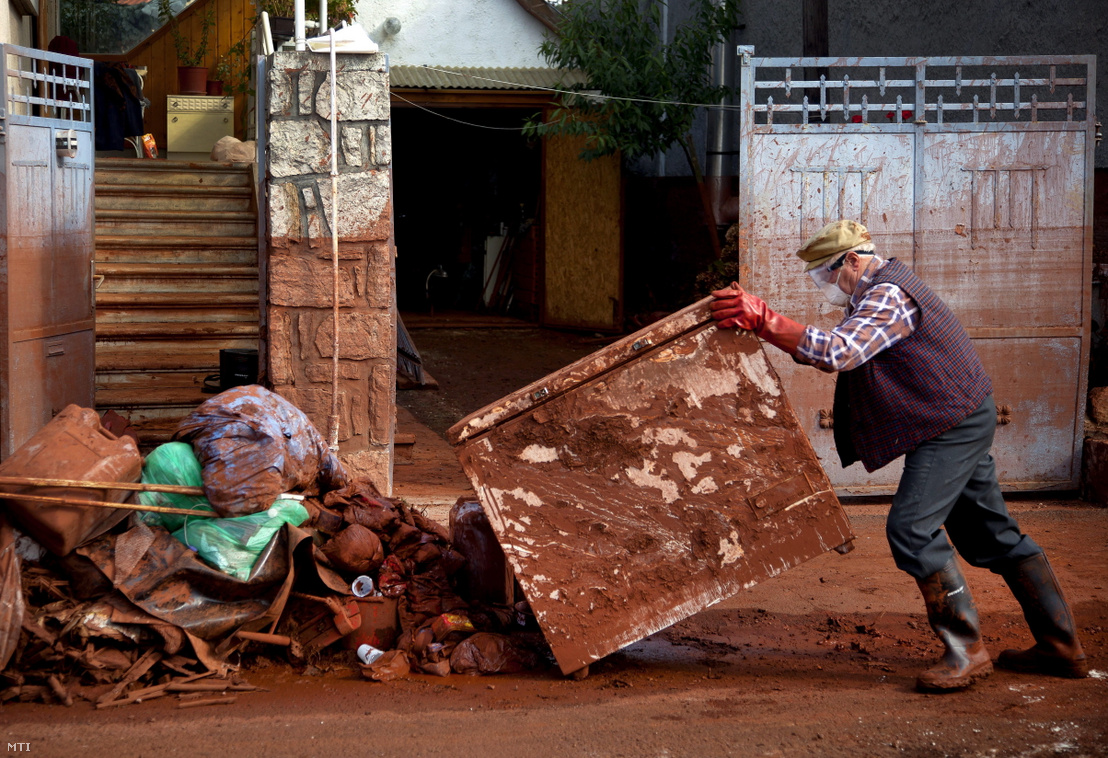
(919, 388)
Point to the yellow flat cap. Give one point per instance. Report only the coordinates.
(837, 237)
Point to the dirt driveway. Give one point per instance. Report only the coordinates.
(819, 661)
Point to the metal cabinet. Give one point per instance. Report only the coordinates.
(975, 172)
(648, 481)
(46, 247)
(194, 123)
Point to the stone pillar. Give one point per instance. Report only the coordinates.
(298, 272)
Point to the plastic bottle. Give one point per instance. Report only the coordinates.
(367, 654)
(362, 586)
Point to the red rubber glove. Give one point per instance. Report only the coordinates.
(735, 307)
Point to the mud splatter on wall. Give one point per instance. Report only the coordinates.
(299, 270)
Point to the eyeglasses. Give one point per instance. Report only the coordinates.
(826, 277)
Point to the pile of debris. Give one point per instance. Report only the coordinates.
(245, 535)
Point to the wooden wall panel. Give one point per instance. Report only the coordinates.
(582, 220)
(233, 21)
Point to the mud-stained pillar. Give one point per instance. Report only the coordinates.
(299, 269)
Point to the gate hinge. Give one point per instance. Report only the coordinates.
(1097, 136)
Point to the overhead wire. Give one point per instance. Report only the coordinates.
(520, 85)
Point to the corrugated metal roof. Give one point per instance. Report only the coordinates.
(476, 77)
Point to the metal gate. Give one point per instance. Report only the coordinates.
(46, 239)
(975, 172)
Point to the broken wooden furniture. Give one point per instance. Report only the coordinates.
(647, 482)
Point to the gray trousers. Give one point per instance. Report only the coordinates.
(950, 481)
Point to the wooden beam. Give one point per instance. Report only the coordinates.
(816, 42)
(479, 98)
(815, 28)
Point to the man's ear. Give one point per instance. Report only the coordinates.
(852, 259)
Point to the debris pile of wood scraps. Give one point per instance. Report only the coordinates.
(119, 592)
(71, 650)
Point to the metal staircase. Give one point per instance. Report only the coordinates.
(177, 275)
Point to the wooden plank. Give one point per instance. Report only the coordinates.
(583, 238)
(154, 356)
(191, 299)
(162, 330)
(651, 490)
(136, 672)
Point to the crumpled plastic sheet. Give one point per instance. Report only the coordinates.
(168, 581)
(114, 617)
(253, 445)
(489, 653)
(392, 665)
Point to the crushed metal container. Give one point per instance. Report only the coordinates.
(73, 445)
(648, 481)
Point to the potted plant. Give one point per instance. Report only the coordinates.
(219, 76)
(281, 22)
(192, 74)
(280, 17)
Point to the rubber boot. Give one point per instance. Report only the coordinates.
(1057, 651)
(953, 616)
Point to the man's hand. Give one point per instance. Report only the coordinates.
(735, 307)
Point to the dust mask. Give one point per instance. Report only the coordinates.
(826, 278)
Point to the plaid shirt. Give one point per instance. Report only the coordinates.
(877, 318)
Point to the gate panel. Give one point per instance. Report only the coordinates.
(1033, 385)
(977, 173)
(73, 237)
(46, 311)
(1004, 219)
(806, 182)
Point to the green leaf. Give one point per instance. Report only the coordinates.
(650, 89)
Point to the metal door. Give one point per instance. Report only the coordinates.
(46, 306)
(977, 173)
(648, 481)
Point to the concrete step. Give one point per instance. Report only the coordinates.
(140, 198)
(146, 320)
(203, 224)
(172, 299)
(130, 357)
(125, 249)
(172, 173)
(161, 330)
(176, 270)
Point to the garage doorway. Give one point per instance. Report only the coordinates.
(466, 193)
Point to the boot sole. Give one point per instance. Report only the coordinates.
(954, 685)
(1060, 670)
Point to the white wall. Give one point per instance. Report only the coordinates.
(15, 29)
(494, 33)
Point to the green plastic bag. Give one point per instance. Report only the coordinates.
(233, 545)
(172, 463)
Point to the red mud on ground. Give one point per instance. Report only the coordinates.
(819, 661)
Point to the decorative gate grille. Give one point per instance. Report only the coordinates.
(977, 173)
